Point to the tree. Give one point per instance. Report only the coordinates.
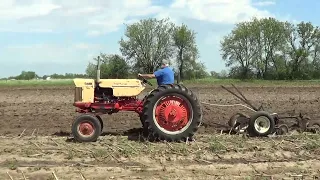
(186, 47)
(223, 74)
(112, 66)
(214, 74)
(304, 41)
(271, 39)
(192, 69)
(148, 43)
(240, 48)
(118, 67)
(197, 71)
(27, 75)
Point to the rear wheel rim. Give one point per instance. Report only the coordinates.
(86, 129)
(172, 114)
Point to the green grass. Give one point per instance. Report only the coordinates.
(55, 82)
(205, 81)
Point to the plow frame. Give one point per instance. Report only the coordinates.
(241, 122)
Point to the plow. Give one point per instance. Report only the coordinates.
(169, 112)
(264, 123)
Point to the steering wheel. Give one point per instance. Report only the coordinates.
(144, 80)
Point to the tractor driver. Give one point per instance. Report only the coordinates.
(165, 75)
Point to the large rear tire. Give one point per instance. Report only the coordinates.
(172, 113)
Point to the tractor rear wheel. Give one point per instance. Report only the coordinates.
(86, 128)
(172, 113)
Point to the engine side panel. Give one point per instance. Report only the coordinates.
(123, 87)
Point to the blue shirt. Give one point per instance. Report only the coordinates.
(164, 76)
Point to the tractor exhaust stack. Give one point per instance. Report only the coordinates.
(98, 69)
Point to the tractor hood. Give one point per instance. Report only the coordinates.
(79, 82)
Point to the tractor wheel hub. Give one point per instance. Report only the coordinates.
(172, 113)
(86, 128)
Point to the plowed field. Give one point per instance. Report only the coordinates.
(45, 114)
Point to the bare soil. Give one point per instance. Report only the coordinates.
(50, 110)
(44, 114)
(114, 157)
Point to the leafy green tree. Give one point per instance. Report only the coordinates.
(241, 48)
(148, 43)
(271, 39)
(186, 47)
(304, 41)
(197, 71)
(214, 74)
(192, 69)
(112, 66)
(27, 75)
(91, 69)
(118, 67)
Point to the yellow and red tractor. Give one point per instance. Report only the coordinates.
(168, 112)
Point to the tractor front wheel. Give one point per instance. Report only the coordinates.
(86, 128)
(172, 113)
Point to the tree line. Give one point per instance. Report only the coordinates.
(145, 44)
(272, 49)
(257, 49)
(29, 75)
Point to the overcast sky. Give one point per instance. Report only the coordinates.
(60, 36)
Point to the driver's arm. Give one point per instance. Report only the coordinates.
(154, 75)
(147, 76)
